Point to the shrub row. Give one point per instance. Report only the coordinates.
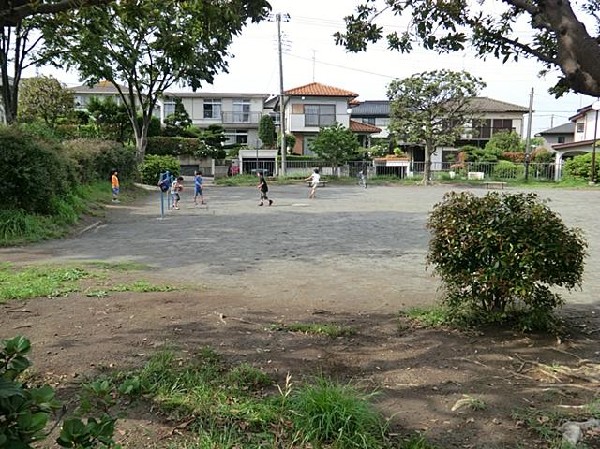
(176, 146)
(38, 171)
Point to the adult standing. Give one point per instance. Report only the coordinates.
(314, 180)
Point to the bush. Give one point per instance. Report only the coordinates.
(498, 256)
(95, 158)
(154, 165)
(25, 410)
(508, 170)
(34, 171)
(580, 167)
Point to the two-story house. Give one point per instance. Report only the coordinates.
(558, 135)
(239, 114)
(313, 106)
(489, 117)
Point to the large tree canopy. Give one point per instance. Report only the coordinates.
(143, 47)
(13, 11)
(44, 98)
(559, 35)
(431, 108)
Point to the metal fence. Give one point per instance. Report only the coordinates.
(502, 170)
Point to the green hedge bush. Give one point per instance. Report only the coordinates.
(34, 171)
(154, 165)
(580, 167)
(95, 158)
(508, 170)
(499, 255)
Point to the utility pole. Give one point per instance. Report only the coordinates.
(528, 141)
(281, 98)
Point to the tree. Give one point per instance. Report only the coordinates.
(16, 48)
(177, 122)
(267, 132)
(558, 38)
(44, 98)
(143, 47)
(430, 108)
(336, 144)
(17, 44)
(110, 117)
(13, 11)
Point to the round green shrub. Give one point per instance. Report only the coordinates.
(499, 255)
(154, 165)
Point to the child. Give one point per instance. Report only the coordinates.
(176, 187)
(114, 180)
(198, 187)
(314, 179)
(263, 188)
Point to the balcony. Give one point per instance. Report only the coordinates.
(240, 118)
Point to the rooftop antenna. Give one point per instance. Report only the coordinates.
(314, 60)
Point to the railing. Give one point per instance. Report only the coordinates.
(236, 117)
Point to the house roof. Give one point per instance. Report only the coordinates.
(359, 127)
(579, 145)
(101, 87)
(565, 128)
(379, 108)
(214, 95)
(319, 90)
(482, 104)
(485, 104)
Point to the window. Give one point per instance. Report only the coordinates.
(319, 115)
(368, 120)
(237, 136)
(502, 125)
(212, 108)
(580, 127)
(561, 139)
(481, 129)
(169, 108)
(241, 111)
(306, 146)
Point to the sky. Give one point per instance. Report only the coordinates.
(310, 54)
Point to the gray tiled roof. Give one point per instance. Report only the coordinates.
(565, 128)
(372, 109)
(483, 104)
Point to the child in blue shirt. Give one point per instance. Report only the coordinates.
(198, 187)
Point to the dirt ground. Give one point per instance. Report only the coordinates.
(352, 257)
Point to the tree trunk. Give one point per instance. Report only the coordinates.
(429, 149)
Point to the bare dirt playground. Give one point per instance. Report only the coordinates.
(352, 257)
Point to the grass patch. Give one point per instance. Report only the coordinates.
(223, 406)
(330, 330)
(54, 281)
(43, 281)
(142, 287)
(431, 317)
(19, 227)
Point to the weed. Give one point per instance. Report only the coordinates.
(118, 266)
(326, 413)
(433, 317)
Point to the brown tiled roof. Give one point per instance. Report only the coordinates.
(359, 127)
(320, 90)
(100, 87)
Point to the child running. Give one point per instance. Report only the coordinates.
(314, 179)
(263, 188)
